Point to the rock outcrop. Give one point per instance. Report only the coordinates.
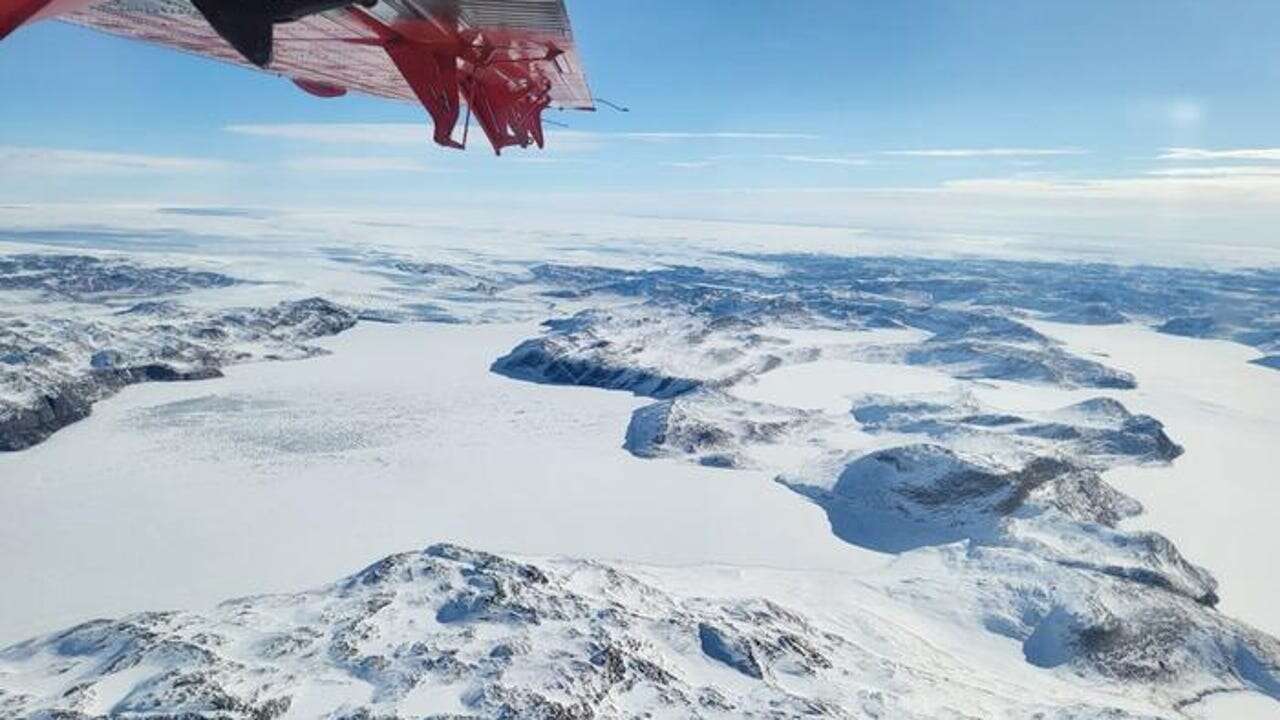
(54, 369)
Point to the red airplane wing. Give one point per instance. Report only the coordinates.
(505, 61)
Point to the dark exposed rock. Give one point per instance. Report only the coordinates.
(1200, 327)
(539, 361)
(29, 424)
(1268, 361)
(734, 652)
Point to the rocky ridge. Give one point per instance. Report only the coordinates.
(55, 364)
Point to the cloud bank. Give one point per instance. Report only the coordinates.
(21, 162)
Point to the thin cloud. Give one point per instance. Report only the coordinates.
(543, 159)
(416, 134)
(1185, 113)
(985, 152)
(1179, 189)
(326, 164)
(1185, 153)
(659, 136)
(26, 161)
(839, 160)
(1217, 171)
(340, 133)
(689, 164)
(822, 160)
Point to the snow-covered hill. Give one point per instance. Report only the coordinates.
(96, 325)
(452, 632)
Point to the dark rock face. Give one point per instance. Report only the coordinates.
(1200, 327)
(24, 426)
(1269, 361)
(541, 361)
(159, 372)
(733, 652)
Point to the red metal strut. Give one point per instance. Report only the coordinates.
(509, 112)
(434, 79)
(13, 13)
(443, 66)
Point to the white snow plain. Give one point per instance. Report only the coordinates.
(283, 476)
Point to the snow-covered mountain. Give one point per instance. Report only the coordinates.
(1016, 584)
(450, 632)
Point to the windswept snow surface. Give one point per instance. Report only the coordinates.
(721, 484)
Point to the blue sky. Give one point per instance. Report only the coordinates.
(1169, 102)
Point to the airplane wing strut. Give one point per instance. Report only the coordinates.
(507, 61)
